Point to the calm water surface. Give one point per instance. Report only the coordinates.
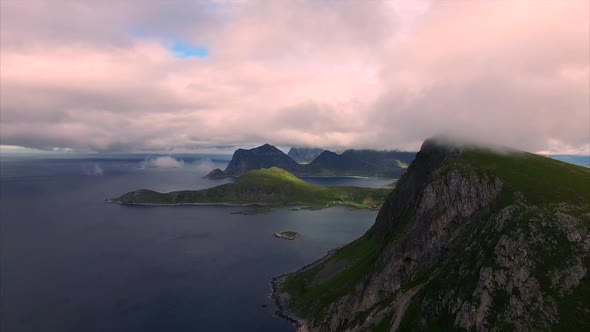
(581, 160)
(70, 262)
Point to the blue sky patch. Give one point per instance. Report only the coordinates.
(179, 49)
(186, 51)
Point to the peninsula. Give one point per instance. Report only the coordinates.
(269, 186)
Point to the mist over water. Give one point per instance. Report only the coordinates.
(71, 262)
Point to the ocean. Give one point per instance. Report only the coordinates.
(71, 262)
(580, 160)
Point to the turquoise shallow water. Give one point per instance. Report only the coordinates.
(70, 262)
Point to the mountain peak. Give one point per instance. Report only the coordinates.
(264, 156)
(266, 146)
(471, 238)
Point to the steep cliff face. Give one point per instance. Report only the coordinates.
(470, 239)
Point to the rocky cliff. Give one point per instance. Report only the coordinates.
(470, 239)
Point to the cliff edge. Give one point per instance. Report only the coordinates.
(471, 239)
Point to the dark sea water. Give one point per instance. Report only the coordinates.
(71, 262)
(348, 181)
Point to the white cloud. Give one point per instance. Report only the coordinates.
(92, 170)
(202, 166)
(162, 162)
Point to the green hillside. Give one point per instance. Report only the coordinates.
(459, 211)
(269, 186)
(541, 179)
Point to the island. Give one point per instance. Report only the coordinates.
(269, 187)
(287, 235)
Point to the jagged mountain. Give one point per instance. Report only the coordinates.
(304, 155)
(360, 163)
(469, 240)
(264, 156)
(350, 163)
(330, 163)
(382, 159)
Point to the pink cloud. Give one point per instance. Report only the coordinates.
(362, 74)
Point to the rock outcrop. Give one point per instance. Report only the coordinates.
(464, 242)
(216, 174)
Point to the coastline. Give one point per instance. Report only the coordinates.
(196, 204)
(298, 207)
(281, 300)
(318, 176)
(348, 177)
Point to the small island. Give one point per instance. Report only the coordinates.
(287, 235)
(264, 188)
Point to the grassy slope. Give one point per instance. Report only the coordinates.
(272, 186)
(541, 180)
(310, 297)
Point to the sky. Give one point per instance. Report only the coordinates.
(181, 76)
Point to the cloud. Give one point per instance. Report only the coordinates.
(203, 166)
(104, 76)
(162, 162)
(92, 170)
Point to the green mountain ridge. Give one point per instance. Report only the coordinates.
(269, 186)
(471, 239)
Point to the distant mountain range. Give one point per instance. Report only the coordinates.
(370, 163)
(304, 155)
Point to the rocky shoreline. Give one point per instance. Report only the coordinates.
(282, 303)
(282, 300)
(114, 201)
